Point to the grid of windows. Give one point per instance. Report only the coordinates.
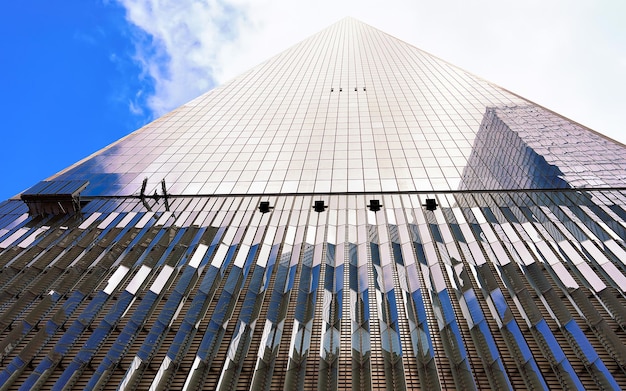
(425, 230)
(350, 109)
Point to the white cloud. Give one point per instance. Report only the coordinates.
(179, 45)
(135, 108)
(566, 55)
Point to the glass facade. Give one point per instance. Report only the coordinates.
(425, 230)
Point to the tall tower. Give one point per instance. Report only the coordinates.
(353, 213)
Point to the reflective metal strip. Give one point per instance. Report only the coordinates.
(552, 224)
(242, 254)
(165, 364)
(532, 316)
(290, 235)
(552, 348)
(133, 368)
(453, 344)
(108, 220)
(198, 255)
(219, 219)
(468, 302)
(240, 213)
(600, 371)
(478, 214)
(274, 324)
(51, 327)
(144, 220)
(138, 280)
(521, 253)
(264, 254)
(173, 307)
(306, 302)
(487, 234)
(65, 343)
(560, 272)
(608, 230)
(248, 316)
(578, 216)
(162, 279)
(415, 312)
(265, 342)
(202, 219)
(310, 234)
(594, 252)
(616, 223)
(331, 234)
(128, 308)
(114, 354)
(386, 304)
(359, 296)
(613, 272)
(232, 349)
(592, 278)
(14, 237)
(14, 222)
(178, 309)
(250, 234)
(510, 330)
(31, 238)
(333, 285)
(94, 216)
(194, 367)
(230, 234)
(220, 255)
(126, 220)
(115, 279)
(163, 219)
(531, 231)
(181, 219)
(616, 250)
(225, 306)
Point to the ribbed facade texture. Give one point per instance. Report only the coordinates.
(352, 214)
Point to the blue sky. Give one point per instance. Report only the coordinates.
(78, 75)
(68, 77)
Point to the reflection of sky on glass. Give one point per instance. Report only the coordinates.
(500, 303)
(529, 147)
(376, 115)
(98, 171)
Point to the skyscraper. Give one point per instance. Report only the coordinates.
(353, 213)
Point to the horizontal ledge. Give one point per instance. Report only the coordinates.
(408, 192)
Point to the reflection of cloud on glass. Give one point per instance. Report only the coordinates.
(120, 168)
(98, 170)
(529, 147)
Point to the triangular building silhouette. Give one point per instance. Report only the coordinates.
(352, 214)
